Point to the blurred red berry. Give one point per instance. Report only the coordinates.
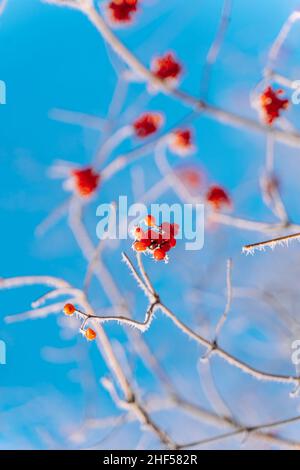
(147, 124)
(121, 11)
(166, 67)
(217, 197)
(86, 181)
(181, 142)
(272, 104)
(191, 177)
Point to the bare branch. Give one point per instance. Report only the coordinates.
(226, 117)
(3, 5)
(229, 299)
(215, 47)
(230, 359)
(272, 243)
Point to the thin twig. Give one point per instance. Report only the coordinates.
(257, 430)
(229, 358)
(272, 243)
(229, 299)
(138, 278)
(215, 48)
(280, 39)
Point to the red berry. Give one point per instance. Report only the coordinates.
(218, 197)
(69, 309)
(121, 11)
(175, 228)
(166, 67)
(172, 242)
(90, 334)
(271, 104)
(140, 245)
(159, 254)
(147, 124)
(86, 181)
(181, 141)
(166, 246)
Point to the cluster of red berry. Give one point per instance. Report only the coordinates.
(214, 195)
(181, 140)
(155, 240)
(85, 181)
(271, 104)
(89, 333)
(122, 11)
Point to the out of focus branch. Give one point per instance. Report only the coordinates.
(130, 399)
(279, 41)
(226, 117)
(215, 47)
(257, 430)
(226, 310)
(230, 359)
(3, 5)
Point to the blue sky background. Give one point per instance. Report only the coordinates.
(53, 58)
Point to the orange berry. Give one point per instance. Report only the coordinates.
(140, 246)
(159, 254)
(90, 334)
(150, 221)
(69, 309)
